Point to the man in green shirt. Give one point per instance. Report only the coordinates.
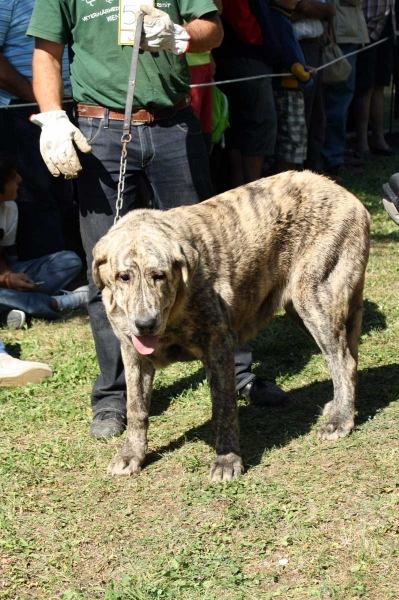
(166, 156)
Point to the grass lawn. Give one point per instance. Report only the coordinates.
(309, 519)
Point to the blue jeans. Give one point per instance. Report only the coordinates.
(56, 270)
(337, 99)
(167, 166)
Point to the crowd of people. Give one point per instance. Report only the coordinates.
(65, 158)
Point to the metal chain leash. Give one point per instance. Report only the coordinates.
(126, 135)
(121, 182)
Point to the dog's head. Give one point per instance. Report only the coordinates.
(144, 272)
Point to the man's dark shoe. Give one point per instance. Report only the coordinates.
(108, 423)
(263, 393)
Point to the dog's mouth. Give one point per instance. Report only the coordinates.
(145, 344)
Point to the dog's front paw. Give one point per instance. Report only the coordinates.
(335, 429)
(226, 467)
(124, 464)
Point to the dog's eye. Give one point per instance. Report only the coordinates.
(124, 277)
(159, 277)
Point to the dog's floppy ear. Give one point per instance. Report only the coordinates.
(187, 258)
(100, 267)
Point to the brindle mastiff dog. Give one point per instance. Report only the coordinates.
(194, 282)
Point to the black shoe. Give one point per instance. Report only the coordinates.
(263, 393)
(383, 151)
(108, 423)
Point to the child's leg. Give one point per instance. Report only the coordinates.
(291, 147)
(55, 270)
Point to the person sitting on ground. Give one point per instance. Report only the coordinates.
(33, 286)
(18, 372)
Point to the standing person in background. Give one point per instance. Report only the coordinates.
(167, 148)
(307, 22)
(201, 97)
(374, 72)
(249, 49)
(351, 31)
(291, 145)
(40, 228)
(202, 68)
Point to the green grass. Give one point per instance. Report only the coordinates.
(309, 519)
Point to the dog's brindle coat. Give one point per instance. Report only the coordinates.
(205, 278)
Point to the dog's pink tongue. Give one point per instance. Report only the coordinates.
(145, 344)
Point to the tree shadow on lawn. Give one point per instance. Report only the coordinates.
(261, 429)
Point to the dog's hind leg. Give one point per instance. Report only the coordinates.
(139, 378)
(295, 318)
(219, 365)
(332, 312)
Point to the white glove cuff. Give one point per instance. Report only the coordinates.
(181, 40)
(45, 118)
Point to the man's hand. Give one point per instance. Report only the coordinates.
(160, 33)
(56, 143)
(18, 281)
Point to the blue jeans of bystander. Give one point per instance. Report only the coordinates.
(337, 99)
(56, 270)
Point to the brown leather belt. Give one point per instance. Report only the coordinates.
(139, 115)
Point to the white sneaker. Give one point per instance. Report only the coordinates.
(16, 319)
(75, 299)
(18, 372)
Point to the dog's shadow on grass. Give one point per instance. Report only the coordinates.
(280, 350)
(261, 429)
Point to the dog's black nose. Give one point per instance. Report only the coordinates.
(146, 324)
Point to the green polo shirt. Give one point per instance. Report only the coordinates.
(99, 66)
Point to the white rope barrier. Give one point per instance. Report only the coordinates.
(267, 75)
(226, 81)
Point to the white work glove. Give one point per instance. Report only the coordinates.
(160, 33)
(56, 143)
